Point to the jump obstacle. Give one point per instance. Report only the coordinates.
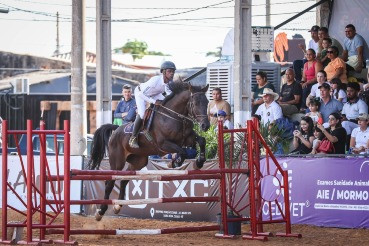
(232, 164)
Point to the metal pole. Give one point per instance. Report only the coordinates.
(66, 182)
(103, 62)
(43, 180)
(4, 218)
(29, 181)
(78, 80)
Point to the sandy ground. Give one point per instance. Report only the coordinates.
(311, 235)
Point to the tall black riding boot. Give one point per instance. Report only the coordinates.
(136, 128)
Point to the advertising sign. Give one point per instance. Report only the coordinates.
(323, 191)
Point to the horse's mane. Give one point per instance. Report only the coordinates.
(178, 87)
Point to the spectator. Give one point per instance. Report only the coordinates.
(314, 113)
(337, 67)
(221, 116)
(261, 83)
(328, 105)
(359, 141)
(313, 44)
(126, 109)
(218, 104)
(303, 138)
(309, 76)
(318, 137)
(269, 111)
(335, 133)
(290, 94)
(315, 91)
(338, 90)
(322, 34)
(323, 56)
(353, 107)
(354, 49)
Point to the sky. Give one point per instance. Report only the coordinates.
(186, 30)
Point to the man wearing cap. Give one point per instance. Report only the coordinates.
(353, 107)
(313, 44)
(359, 141)
(151, 92)
(221, 116)
(269, 111)
(328, 104)
(126, 108)
(290, 94)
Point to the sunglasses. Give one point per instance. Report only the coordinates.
(330, 51)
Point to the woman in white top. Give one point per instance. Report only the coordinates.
(338, 90)
(359, 141)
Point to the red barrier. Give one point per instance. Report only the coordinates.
(233, 162)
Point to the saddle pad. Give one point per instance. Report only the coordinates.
(129, 128)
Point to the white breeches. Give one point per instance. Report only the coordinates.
(141, 103)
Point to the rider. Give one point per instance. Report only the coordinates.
(151, 91)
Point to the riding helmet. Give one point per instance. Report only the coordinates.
(167, 65)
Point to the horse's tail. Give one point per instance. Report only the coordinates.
(99, 145)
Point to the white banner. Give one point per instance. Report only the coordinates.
(18, 183)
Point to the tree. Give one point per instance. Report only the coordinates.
(217, 53)
(137, 49)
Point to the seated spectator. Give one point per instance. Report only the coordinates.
(354, 49)
(309, 75)
(313, 44)
(353, 107)
(269, 111)
(338, 90)
(315, 91)
(314, 113)
(322, 34)
(290, 94)
(323, 56)
(221, 116)
(328, 104)
(337, 67)
(218, 104)
(335, 133)
(261, 83)
(126, 108)
(318, 137)
(359, 141)
(303, 138)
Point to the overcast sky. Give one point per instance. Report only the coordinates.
(185, 29)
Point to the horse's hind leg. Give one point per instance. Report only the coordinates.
(109, 185)
(122, 192)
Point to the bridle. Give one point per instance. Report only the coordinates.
(191, 111)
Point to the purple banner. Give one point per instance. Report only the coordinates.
(323, 191)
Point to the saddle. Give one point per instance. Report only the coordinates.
(146, 123)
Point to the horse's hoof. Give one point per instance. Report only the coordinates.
(98, 216)
(199, 163)
(116, 208)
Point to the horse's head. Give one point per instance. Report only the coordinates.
(198, 105)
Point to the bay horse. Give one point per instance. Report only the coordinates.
(171, 129)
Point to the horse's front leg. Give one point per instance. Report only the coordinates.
(174, 148)
(202, 143)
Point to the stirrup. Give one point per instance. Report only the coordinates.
(133, 142)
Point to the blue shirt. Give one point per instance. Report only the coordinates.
(351, 45)
(126, 106)
(333, 106)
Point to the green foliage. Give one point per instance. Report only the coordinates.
(211, 138)
(137, 49)
(217, 53)
(273, 136)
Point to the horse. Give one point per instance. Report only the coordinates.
(171, 129)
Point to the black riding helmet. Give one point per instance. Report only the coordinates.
(167, 65)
